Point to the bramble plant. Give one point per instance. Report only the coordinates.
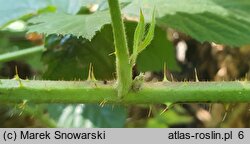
(102, 43)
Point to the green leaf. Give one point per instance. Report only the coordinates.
(14, 9)
(169, 118)
(106, 117)
(67, 6)
(226, 14)
(169, 7)
(88, 116)
(103, 4)
(160, 51)
(91, 2)
(149, 36)
(78, 25)
(239, 8)
(55, 110)
(215, 18)
(155, 123)
(211, 27)
(69, 58)
(138, 37)
(221, 21)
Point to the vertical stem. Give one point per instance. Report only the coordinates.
(123, 68)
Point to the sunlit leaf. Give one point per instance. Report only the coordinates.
(14, 9)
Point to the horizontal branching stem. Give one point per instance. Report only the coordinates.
(98, 92)
(20, 53)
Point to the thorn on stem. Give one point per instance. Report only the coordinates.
(227, 109)
(165, 73)
(17, 78)
(164, 110)
(150, 111)
(246, 77)
(16, 70)
(113, 53)
(196, 75)
(23, 104)
(172, 77)
(168, 105)
(91, 75)
(102, 104)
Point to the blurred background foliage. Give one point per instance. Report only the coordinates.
(186, 38)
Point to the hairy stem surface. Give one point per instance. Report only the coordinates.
(123, 68)
(98, 92)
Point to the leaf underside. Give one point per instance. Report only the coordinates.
(77, 25)
(220, 21)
